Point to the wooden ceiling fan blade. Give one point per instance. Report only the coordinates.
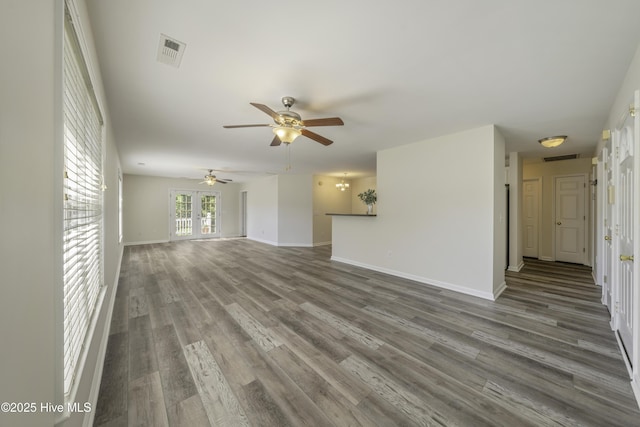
(266, 109)
(318, 138)
(329, 121)
(219, 181)
(276, 141)
(244, 126)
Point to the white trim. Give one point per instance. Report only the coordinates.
(268, 242)
(499, 290)
(635, 387)
(517, 268)
(449, 286)
(546, 258)
(295, 245)
(102, 350)
(322, 243)
(71, 397)
(147, 242)
(58, 188)
(624, 353)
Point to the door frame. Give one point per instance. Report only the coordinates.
(585, 208)
(603, 248)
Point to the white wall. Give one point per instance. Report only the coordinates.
(280, 210)
(438, 223)
(295, 210)
(262, 209)
(146, 207)
(327, 199)
(27, 129)
(31, 204)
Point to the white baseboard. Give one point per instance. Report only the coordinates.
(283, 245)
(546, 258)
(635, 386)
(268, 242)
(148, 242)
(449, 286)
(295, 245)
(322, 243)
(516, 268)
(499, 290)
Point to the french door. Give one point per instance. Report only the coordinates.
(194, 214)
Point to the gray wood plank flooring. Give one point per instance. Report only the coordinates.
(234, 332)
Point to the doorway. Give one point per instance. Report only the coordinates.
(194, 214)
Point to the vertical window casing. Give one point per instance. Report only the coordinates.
(83, 275)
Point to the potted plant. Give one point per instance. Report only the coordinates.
(369, 198)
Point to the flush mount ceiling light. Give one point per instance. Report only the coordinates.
(552, 141)
(342, 185)
(286, 134)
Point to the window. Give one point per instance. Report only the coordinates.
(82, 229)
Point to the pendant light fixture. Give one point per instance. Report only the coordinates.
(342, 185)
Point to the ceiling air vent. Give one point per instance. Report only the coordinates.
(565, 157)
(170, 51)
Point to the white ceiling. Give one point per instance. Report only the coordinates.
(395, 71)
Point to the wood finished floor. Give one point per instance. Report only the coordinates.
(235, 332)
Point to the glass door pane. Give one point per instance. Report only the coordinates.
(208, 214)
(182, 215)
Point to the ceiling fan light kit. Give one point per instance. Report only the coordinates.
(552, 141)
(289, 125)
(287, 134)
(210, 179)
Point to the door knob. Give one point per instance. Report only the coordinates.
(607, 237)
(626, 257)
(558, 223)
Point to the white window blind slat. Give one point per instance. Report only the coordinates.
(82, 215)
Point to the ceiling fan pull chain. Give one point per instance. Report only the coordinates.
(288, 167)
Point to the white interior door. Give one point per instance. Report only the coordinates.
(530, 216)
(570, 218)
(626, 138)
(194, 214)
(608, 199)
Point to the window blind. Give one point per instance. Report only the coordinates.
(82, 231)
